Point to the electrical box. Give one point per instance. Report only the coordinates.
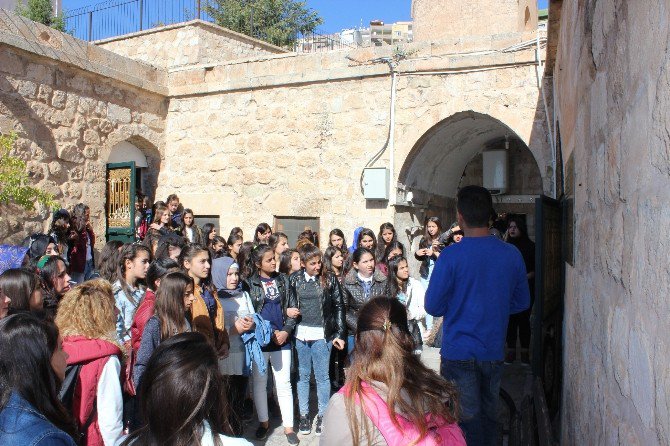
(495, 171)
(376, 183)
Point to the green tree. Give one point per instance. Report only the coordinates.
(41, 11)
(275, 21)
(14, 179)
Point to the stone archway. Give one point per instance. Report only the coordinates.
(125, 187)
(448, 156)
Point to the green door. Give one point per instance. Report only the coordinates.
(120, 207)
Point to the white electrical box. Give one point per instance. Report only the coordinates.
(376, 183)
(495, 171)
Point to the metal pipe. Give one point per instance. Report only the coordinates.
(90, 26)
(141, 14)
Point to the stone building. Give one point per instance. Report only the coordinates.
(245, 132)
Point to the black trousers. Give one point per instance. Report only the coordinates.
(520, 323)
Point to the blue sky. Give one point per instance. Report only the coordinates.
(337, 14)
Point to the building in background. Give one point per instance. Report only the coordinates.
(390, 33)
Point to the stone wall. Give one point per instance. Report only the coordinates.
(67, 119)
(613, 96)
(292, 133)
(439, 19)
(190, 43)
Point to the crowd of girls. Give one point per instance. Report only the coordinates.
(149, 334)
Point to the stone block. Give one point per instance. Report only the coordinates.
(118, 114)
(91, 137)
(27, 89)
(69, 152)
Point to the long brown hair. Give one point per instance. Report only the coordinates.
(383, 353)
(169, 307)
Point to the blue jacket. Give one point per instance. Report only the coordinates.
(21, 424)
(253, 342)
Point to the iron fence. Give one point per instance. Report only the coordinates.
(118, 17)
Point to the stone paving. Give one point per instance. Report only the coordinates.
(514, 382)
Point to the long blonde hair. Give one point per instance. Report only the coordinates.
(88, 310)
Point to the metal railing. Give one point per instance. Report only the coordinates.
(118, 17)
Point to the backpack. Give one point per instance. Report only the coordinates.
(66, 396)
(439, 431)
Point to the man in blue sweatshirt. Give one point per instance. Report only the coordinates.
(476, 284)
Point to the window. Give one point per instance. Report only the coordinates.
(201, 220)
(293, 226)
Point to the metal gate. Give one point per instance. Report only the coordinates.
(120, 209)
(547, 319)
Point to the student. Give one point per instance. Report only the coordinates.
(25, 289)
(60, 231)
(234, 244)
(479, 279)
(173, 299)
(40, 245)
(321, 326)
(390, 396)
(428, 252)
(172, 203)
(361, 284)
(161, 223)
(189, 229)
(411, 294)
(517, 235)
(366, 239)
(109, 260)
(333, 262)
(32, 366)
(262, 233)
(169, 246)
(269, 294)
(208, 234)
(157, 270)
(245, 261)
(394, 249)
(218, 247)
(82, 244)
(128, 289)
(289, 262)
(236, 231)
(146, 216)
(238, 316)
(206, 312)
(279, 243)
(55, 282)
(385, 237)
(336, 238)
(183, 396)
(455, 234)
(86, 321)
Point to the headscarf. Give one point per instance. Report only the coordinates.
(354, 242)
(220, 268)
(11, 257)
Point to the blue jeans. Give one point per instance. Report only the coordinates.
(87, 274)
(478, 384)
(350, 343)
(316, 353)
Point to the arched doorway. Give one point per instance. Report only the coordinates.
(129, 179)
(449, 156)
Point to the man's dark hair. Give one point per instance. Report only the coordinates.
(474, 203)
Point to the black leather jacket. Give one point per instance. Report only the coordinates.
(254, 287)
(333, 310)
(355, 297)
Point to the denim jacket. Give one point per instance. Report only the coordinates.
(126, 310)
(21, 424)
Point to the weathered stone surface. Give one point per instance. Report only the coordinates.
(612, 90)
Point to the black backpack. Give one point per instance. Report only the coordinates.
(66, 396)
